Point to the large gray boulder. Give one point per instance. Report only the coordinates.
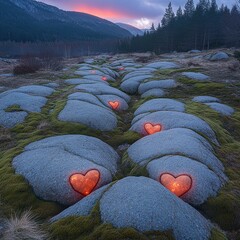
(101, 89)
(167, 83)
(205, 99)
(173, 119)
(145, 205)
(196, 76)
(139, 72)
(218, 56)
(155, 92)
(178, 141)
(86, 97)
(24, 101)
(160, 104)
(110, 100)
(204, 182)
(102, 77)
(221, 108)
(131, 84)
(163, 65)
(37, 90)
(77, 81)
(48, 164)
(11, 119)
(91, 115)
(27, 103)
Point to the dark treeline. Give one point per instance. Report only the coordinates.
(202, 27)
(57, 49)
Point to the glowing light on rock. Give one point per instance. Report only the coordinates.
(114, 104)
(104, 78)
(178, 185)
(152, 128)
(85, 183)
(121, 68)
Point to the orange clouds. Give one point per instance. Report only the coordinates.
(102, 13)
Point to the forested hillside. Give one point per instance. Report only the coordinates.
(203, 26)
(28, 20)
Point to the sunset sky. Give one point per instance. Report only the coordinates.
(140, 13)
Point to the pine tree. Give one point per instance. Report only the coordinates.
(168, 16)
(189, 8)
(203, 6)
(214, 6)
(179, 13)
(152, 29)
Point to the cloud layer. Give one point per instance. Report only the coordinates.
(140, 13)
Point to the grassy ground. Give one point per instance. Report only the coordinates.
(17, 196)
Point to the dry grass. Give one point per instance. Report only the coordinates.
(5, 135)
(23, 227)
(43, 125)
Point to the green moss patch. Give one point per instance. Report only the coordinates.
(91, 228)
(13, 108)
(223, 209)
(216, 234)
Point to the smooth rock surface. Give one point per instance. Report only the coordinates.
(167, 83)
(161, 104)
(205, 183)
(178, 141)
(221, 108)
(47, 165)
(83, 207)
(194, 51)
(103, 77)
(172, 119)
(145, 205)
(101, 89)
(77, 81)
(219, 56)
(155, 92)
(86, 97)
(205, 99)
(37, 90)
(11, 119)
(52, 85)
(26, 102)
(91, 115)
(163, 65)
(105, 99)
(196, 76)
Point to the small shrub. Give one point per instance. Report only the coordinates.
(237, 55)
(234, 66)
(52, 63)
(23, 227)
(27, 65)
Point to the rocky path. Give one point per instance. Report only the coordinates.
(123, 150)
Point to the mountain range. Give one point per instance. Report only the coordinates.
(133, 30)
(29, 20)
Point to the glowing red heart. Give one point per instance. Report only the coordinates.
(151, 128)
(85, 183)
(121, 68)
(178, 185)
(114, 105)
(104, 78)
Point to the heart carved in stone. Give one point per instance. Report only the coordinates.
(152, 128)
(178, 185)
(114, 104)
(85, 183)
